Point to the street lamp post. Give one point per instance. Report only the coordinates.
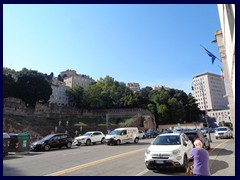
(205, 108)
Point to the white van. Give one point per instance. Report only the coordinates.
(122, 135)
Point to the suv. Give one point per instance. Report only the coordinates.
(223, 132)
(52, 141)
(168, 150)
(89, 137)
(197, 134)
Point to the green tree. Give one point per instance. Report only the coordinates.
(76, 97)
(32, 87)
(9, 86)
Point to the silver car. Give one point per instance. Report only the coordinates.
(223, 132)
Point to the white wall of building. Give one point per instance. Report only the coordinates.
(209, 91)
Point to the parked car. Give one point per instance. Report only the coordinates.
(58, 140)
(223, 132)
(122, 135)
(141, 134)
(168, 150)
(6, 143)
(197, 134)
(152, 133)
(90, 137)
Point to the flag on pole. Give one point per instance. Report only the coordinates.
(222, 74)
(211, 55)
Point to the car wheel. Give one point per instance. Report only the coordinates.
(69, 145)
(103, 141)
(136, 140)
(88, 142)
(47, 147)
(118, 142)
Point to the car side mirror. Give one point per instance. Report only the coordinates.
(184, 143)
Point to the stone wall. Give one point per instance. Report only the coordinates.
(16, 107)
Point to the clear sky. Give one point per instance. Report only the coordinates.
(152, 45)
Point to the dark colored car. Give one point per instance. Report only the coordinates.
(152, 133)
(58, 140)
(6, 142)
(197, 134)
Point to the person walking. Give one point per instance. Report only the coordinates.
(200, 159)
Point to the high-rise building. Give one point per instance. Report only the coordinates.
(209, 91)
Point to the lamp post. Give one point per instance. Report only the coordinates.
(200, 85)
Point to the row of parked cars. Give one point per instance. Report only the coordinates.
(173, 149)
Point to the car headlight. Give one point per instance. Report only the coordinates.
(148, 151)
(83, 138)
(176, 151)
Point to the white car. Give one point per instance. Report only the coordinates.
(223, 132)
(141, 134)
(90, 137)
(168, 150)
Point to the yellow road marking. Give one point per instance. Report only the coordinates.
(218, 146)
(94, 163)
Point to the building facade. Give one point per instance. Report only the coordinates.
(225, 38)
(58, 96)
(209, 91)
(134, 86)
(78, 80)
(221, 117)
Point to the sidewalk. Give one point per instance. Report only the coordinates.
(222, 159)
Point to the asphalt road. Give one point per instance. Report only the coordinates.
(103, 160)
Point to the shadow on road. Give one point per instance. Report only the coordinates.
(220, 152)
(217, 165)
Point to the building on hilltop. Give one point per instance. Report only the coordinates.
(160, 87)
(134, 86)
(58, 96)
(78, 80)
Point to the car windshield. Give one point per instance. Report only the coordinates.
(167, 140)
(88, 134)
(47, 137)
(222, 129)
(116, 132)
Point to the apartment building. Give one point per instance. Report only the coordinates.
(209, 91)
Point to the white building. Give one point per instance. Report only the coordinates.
(78, 80)
(58, 96)
(160, 87)
(134, 86)
(209, 91)
(222, 117)
(225, 38)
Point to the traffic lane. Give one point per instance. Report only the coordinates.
(222, 158)
(42, 163)
(126, 164)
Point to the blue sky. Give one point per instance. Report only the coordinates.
(153, 45)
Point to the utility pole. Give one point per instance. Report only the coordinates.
(205, 108)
